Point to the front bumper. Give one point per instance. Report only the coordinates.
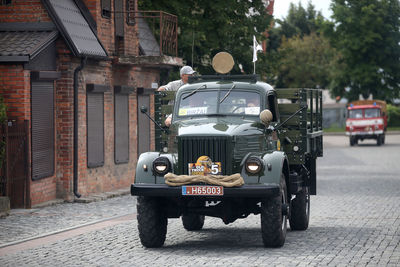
(365, 133)
(163, 190)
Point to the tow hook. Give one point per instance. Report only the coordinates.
(285, 209)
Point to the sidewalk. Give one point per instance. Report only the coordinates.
(24, 224)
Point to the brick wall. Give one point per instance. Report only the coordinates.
(64, 123)
(111, 176)
(24, 11)
(131, 39)
(15, 88)
(105, 28)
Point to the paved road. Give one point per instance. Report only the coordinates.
(355, 221)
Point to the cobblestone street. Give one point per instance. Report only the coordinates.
(355, 221)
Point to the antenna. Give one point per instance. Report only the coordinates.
(192, 46)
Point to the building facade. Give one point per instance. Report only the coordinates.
(74, 72)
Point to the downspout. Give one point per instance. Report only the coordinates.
(76, 125)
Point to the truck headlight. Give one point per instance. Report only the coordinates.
(161, 166)
(253, 165)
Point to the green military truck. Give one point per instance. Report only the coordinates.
(236, 146)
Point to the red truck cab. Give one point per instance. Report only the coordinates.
(366, 119)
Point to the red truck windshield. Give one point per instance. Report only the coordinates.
(368, 113)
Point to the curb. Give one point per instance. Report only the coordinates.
(102, 196)
(87, 199)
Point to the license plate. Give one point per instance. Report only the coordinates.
(202, 190)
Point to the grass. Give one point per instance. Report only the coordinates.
(336, 129)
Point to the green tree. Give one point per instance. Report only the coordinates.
(300, 21)
(209, 27)
(305, 62)
(297, 53)
(367, 35)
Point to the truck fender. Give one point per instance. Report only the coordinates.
(144, 168)
(275, 163)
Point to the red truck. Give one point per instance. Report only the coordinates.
(366, 119)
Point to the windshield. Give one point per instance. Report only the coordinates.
(368, 113)
(371, 113)
(355, 113)
(208, 103)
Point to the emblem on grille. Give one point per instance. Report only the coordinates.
(204, 166)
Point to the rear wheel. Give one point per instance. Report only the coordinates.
(192, 222)
(152, 222)
(274, 218)
(300, 211)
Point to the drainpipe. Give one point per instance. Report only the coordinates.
(76, 125)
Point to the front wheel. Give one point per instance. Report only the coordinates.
(152, 222)
(274, 218)
(192, 222)
(353, 141)
(300, 212)
(380, 140)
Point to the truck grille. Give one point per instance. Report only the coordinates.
(217, 148)
(246, 144)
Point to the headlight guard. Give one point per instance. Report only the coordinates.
(253, 165)
(161, 166)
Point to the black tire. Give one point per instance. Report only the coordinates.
(379, 140)
(352, 141)
(152, 222)
(300, 210)
(273, 222)
(383, 139)
(193, 222)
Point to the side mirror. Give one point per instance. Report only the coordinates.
(143, 109)
(266, 117)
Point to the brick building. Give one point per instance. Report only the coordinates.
(73, 73)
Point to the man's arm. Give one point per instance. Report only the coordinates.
(171, 86)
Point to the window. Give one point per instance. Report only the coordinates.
(106, 8)
(42, 129)
(273, 106)
(95, 129)
(372, 113)
(223, 102)
(130, 7)
(121, 124)
(355, 113)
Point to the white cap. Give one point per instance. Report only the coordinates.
(187, 70)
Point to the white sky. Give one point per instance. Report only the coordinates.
(281, 7)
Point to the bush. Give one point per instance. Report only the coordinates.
(393, 116)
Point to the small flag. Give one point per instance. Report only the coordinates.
(256, 47)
